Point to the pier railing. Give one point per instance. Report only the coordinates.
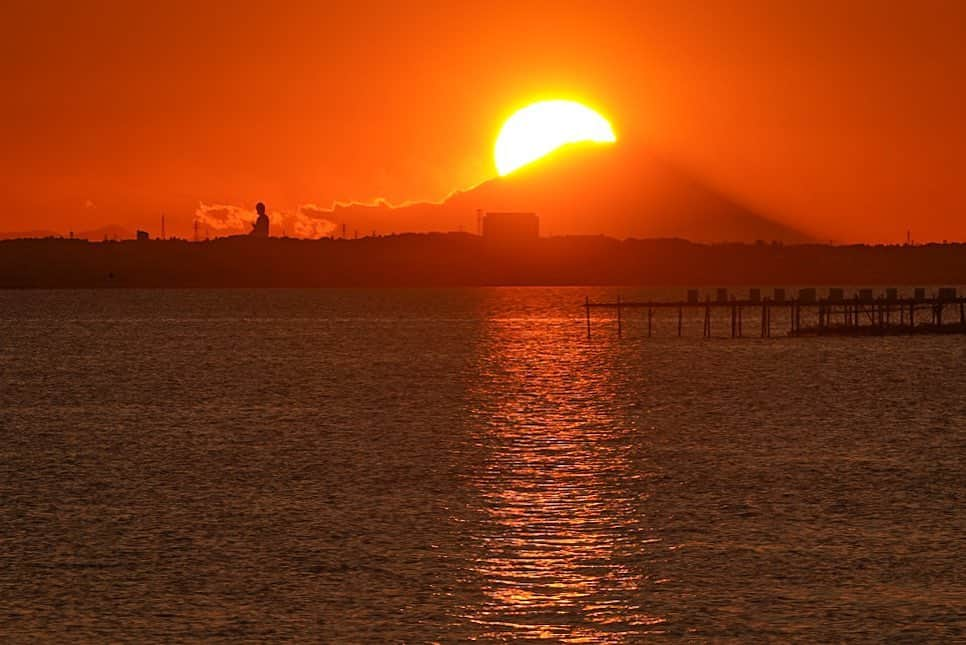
(861, 315)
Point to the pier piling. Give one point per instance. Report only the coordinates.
(620, 326)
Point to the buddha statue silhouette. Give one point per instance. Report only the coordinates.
(260, 227)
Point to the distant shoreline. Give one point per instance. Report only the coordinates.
(465, 260)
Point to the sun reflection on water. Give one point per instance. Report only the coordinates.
(560, 536)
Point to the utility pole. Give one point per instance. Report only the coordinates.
(162, 226)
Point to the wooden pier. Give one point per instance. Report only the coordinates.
(807, 315)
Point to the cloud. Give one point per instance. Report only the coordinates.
(223, 218)
(308, 221)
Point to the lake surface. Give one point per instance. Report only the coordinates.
(449, 465)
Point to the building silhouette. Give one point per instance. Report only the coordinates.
(511, 227)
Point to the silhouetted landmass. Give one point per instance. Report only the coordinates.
(457, 259)
(17, 235)
(109, 232)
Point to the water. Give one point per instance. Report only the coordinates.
(368, 466)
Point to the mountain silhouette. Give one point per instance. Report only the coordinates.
(108, 232)
(617, 190)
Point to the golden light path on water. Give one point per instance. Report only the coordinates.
(561, 538)
(388, 466)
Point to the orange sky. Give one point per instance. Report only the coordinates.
(844, 119)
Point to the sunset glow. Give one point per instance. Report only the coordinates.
(540, 128)
(579, 322)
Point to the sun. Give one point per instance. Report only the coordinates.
(538, 129)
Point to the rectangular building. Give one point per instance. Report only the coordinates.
(511, 227)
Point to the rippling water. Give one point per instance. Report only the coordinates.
(355, 465)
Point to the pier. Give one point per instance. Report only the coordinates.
(863, 314)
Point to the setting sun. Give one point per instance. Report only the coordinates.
(541, 128)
